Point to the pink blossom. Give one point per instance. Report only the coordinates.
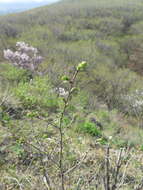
(25, 57)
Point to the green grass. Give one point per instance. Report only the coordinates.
(106, 34)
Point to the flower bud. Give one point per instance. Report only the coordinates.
(81, 66)
(65, 78)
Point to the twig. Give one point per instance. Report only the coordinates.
(76, 165)
(118, 166)
(43, 152)
(123, 176)
(107, 166)
(140, 186)
(14, 179)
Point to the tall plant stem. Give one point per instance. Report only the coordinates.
(72, 81)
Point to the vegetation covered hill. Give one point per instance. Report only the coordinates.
(100, 124)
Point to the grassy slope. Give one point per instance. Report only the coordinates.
(66, 33)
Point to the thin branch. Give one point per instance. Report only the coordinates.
(15, 179)
(118, 166)
(76, 165)
(61, 127)
(107, 167)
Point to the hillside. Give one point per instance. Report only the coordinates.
(68, 125)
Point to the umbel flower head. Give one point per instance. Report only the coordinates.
(25, 57)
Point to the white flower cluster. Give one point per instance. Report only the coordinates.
(135, 100)
(62, 92)
(23, 47)
(25, 57)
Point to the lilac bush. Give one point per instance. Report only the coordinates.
(26, 57)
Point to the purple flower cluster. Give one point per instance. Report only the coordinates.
(25, 57)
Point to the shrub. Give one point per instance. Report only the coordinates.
(9, 30)
(90, 128)
(111, 84)
(109, 26)
(13, 74)
(136, 28)
(26, 57)
(122, 143)
(36, 94)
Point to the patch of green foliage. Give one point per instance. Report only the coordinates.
(106, 34)
(36, 94)
(13, 74)
(89, 128)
